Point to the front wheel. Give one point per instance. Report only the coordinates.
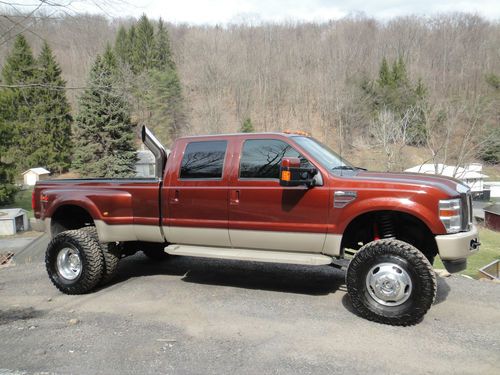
(391, 282)
(74, 262)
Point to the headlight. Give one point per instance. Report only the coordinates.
(450, 211)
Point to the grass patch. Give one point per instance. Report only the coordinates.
(488, 252)
(22, 200)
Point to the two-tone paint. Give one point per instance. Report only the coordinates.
(243, 213)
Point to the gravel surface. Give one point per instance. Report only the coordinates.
(197, 316)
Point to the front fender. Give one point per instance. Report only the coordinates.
(424, 213)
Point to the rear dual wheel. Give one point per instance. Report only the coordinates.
(111, 254)
(391, 282)
(76, 262)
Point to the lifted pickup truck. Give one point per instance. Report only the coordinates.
(269, 197)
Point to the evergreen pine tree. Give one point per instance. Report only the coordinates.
(385, 76)
(131, 40)
(394, 91)
(20, 71)
(144, 52)
(163, 57)
(152, 85)
(162, 96)
(109, 59)
(123, 45)
(399, 75)
(104, 134)
(247, 126)
(19, 67)
(490, 152)
(52, 114)
(7, 168)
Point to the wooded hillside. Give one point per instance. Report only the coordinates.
(320, 78)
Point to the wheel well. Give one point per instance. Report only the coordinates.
(69, 217)
(389, 224)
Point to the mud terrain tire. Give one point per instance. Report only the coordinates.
(74, 262)
(391, 282)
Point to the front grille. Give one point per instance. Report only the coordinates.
(467, 215)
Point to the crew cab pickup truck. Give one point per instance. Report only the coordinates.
(268, 197)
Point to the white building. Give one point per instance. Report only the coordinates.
(32, 175)
(13, 220)
(145, 165)
(493, 187)
(471, 174)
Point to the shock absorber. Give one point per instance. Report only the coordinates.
(386, 225)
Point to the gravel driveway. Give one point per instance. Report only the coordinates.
(201, 316)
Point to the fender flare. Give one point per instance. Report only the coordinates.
(429, 218)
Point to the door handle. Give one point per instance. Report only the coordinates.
(175, 198)
(235, 197)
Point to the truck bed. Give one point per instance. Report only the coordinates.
(120, 202)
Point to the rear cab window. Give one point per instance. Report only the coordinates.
(261, 158)
(203, 160)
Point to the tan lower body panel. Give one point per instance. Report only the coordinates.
(252, 239)
(197, 236)
(332, 244)
(284, 241)
(128, 232)
(249, 255)
(243, 239)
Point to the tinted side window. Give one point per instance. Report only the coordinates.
(261, 158)
(203, 159)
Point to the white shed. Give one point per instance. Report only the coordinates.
(145, 165)
(13, 220)
(494, 188)
(32, 175)
(470, 174)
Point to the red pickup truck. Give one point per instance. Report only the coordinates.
(268, 197)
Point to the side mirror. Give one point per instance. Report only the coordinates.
(291, 174)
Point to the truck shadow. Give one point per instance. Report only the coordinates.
(311, 280)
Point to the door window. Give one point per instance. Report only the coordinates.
(261, 158)
(203, 160)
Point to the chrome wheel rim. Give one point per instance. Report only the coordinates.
(389, 284)
(69, 263)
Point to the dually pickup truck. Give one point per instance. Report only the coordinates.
(268, 197)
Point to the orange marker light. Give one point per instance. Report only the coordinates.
(449, 213)
(297, 132)
(286, 175)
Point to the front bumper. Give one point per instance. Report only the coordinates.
(455, 248)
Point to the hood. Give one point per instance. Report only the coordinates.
(448, 185)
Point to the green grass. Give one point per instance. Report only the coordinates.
(488, 252)
(22, 200)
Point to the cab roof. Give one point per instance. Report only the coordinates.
(250, 135)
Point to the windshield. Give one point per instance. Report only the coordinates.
(322, 154)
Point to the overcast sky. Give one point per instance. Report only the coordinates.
(224, 11)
